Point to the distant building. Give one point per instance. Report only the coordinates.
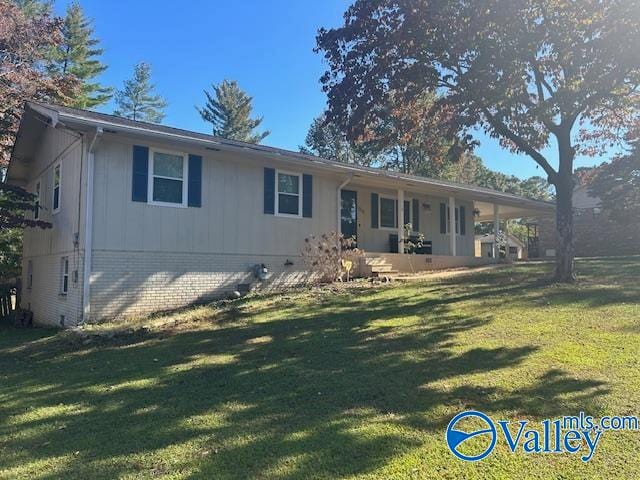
(595, 234)
(484, 247)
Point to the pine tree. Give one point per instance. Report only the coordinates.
(137, 101)
(229, 110)
(77, 55)
(34, 8)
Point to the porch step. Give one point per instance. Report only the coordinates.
(385, 273)
(380, 268)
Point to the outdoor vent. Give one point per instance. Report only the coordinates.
(213, 149)
(426, 206)
(108, 130)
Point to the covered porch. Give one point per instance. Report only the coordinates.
(418, 224)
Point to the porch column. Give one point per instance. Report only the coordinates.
(496, 230)
(506, 236)
(452, 226)
(400, 221)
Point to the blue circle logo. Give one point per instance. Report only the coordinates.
(455, 437)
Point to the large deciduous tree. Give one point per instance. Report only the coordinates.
(77, 54)
(228, 108)
(137, 100)
(25, 42)
(531, 73)
(617, 185)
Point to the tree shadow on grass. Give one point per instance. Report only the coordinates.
(323, 390)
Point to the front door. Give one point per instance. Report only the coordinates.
(349, 214)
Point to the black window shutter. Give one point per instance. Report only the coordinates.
(194, 195)
(140, 172)
(374, 210)
(407, 212)
(307, 195)
(463, 219)
(443, 218)
(416, 215)
(269, 190)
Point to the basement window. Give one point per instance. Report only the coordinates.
(64, 276)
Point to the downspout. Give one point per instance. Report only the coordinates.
(339, 202)
(88, 228)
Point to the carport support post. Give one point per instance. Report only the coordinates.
(452, 226)
(496, 231)
(506, 238)
(400, 221)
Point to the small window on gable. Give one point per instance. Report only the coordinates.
(167, 185)
(36, 207)
(30, 274)
(289, 195)
(64, 275)
(57, 180)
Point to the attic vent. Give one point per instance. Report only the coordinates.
(108, 130)
(213, 149)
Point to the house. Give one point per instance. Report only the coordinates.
(595, 234)
(485, 247)
(147, 217)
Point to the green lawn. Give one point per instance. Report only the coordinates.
(332, 383)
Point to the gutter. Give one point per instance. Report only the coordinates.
(88, 228)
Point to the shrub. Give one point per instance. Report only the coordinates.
(324, 255)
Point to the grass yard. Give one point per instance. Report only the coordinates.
(332, 383)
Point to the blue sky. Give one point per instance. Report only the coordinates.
(267, 46)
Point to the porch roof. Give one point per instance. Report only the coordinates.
(511, 206)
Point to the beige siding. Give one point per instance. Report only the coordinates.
(231, 220)
(148, 257)
(45, 248)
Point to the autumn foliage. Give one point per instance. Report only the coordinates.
(25, 42)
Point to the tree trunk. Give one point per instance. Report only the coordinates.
(564, 210)
(564, 228)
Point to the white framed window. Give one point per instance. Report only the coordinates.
(36, 210)
(64, 275)
(168, 173)
(388, 212)
(57, 190)
(30, 274)
(288, 194)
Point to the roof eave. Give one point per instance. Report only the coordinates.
(321, 163)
